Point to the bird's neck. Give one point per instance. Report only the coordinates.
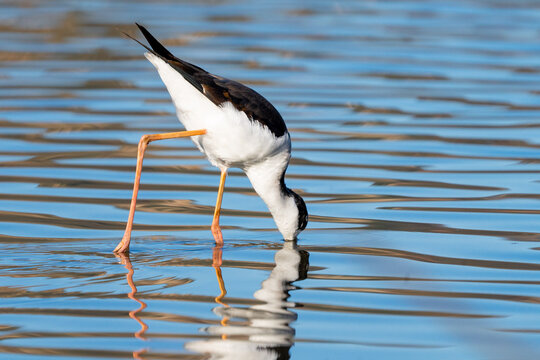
(267, 178)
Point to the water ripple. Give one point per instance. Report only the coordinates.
(415, 145)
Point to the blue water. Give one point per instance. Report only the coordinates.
(415, 145)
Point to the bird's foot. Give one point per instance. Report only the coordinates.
(123, 246)
(218, 236)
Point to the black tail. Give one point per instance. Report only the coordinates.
(157, 49)
(156, 45)
(138, 42)
(187, 70)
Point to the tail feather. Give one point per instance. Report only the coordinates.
(156, 45)
(187, 70)
(140, 43)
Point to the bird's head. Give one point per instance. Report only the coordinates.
(292, 218)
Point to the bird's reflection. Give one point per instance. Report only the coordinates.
(134, 314)
(267, 331)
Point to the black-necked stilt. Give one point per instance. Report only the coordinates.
(234, 126)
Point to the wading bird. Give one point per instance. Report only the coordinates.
(234, 126)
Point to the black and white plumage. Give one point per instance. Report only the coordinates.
(243, 130)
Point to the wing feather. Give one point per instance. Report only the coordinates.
(220, 90)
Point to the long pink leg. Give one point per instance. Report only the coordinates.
(216, 230)
(123, 245)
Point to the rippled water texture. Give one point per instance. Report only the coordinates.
(415, 129)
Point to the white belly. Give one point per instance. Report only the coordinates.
(235, 141)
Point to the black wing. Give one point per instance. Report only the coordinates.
(220, 90)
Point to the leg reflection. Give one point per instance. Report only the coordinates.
(265, 330)
(125, 260)
(217, 261)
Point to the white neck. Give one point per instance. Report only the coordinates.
(266, 178)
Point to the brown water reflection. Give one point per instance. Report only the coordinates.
(414, 127)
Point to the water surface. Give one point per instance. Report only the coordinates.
(415, 145)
